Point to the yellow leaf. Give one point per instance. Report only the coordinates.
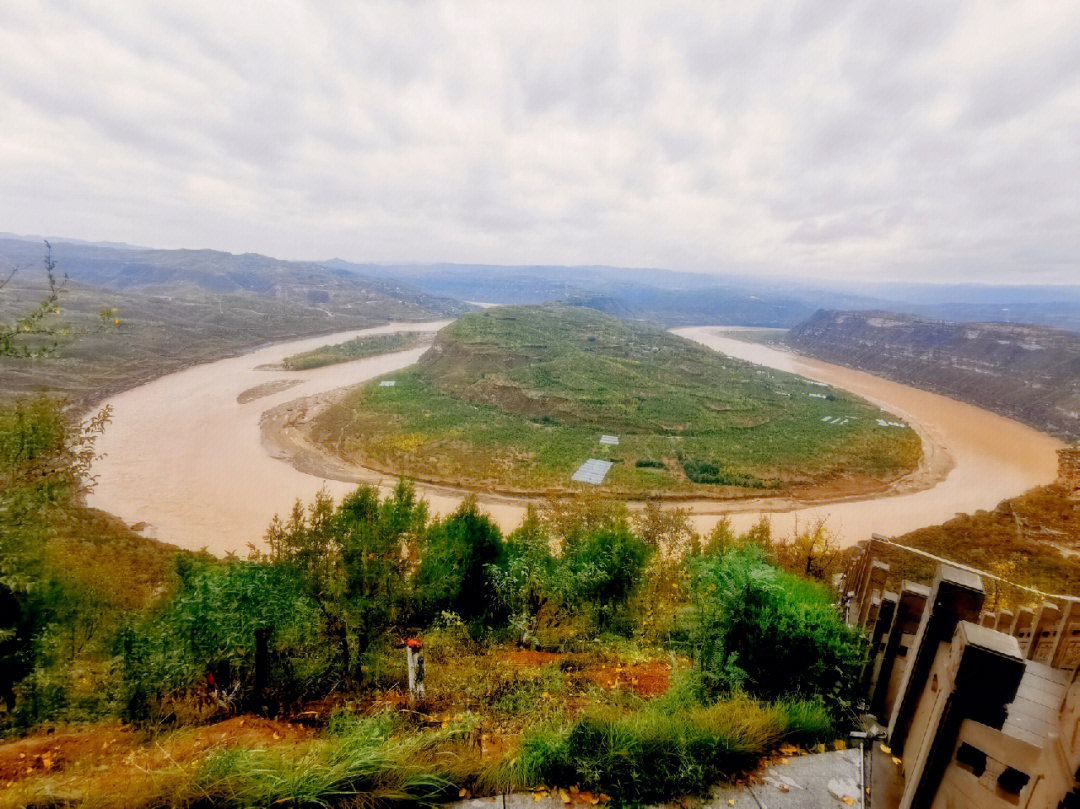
(462, 793)
(731, 802)
(885, 749)
(564, 796)
(848, 800)
(276, 737)
(896, 761)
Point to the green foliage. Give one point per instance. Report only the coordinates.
(527, 579)
(599, 566)
(454, 564)
(648, 463)
(355, 349)
(759, 629)
(660, 751)
(600, 569)
(32, 333)
(352, 562)
(517, 396)
(209, 627)
(707, 472)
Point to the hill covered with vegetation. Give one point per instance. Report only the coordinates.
(518, 397)
(1030, 373)
(126, 315)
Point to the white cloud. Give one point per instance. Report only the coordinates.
(933, 141)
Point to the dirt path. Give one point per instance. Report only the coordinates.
(206, 471)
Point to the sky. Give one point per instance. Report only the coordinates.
(921, 141)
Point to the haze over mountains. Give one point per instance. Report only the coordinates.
(191, 305)
(669, 297)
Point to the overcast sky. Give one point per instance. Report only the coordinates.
(921, 141)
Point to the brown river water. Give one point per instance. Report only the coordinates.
(187, 460)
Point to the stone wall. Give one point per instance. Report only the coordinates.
(1069, 467)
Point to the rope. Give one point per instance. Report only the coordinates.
(959, 565)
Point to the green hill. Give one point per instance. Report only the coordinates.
(517, 398)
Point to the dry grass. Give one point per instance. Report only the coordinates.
(1033, 540)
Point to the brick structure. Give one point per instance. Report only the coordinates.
(1069, 468)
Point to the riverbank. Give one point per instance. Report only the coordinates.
(202, 470)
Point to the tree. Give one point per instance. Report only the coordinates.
(526, 581)
(31, 334)
(353, 563)
(453, 573)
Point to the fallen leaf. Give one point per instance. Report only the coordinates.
(564, 796)
(896, 761)
(850, 801)
(885, 749)
(783, 787)
(462, 793)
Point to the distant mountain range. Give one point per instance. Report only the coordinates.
(663, 296)
(680, 299)
(182, 306)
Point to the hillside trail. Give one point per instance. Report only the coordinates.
(205, 457)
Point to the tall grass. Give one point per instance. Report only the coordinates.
(662, 750)
(364, 764)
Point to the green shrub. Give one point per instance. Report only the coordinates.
(454, 562)
(207, 629)
(668, 749)
(706, 472)
(599, 570)
(770, 633)
(648, 463)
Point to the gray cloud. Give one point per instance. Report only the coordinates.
(936, 140)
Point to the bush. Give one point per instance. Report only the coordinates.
(600, 569)
(665, 750)
(205, 634)
(770, 633)
(454, 563)
(709, 473)
(648, 463)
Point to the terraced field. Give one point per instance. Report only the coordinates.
(516, 398)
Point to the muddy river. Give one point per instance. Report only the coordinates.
(186, 459)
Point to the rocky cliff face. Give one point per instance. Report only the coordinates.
(1031, 373)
